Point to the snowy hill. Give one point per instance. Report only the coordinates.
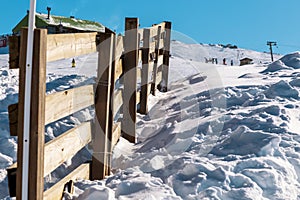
(221, 132)
(198, 52)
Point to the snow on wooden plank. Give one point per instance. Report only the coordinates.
(56, 191)
(58, 105)
(65, 146)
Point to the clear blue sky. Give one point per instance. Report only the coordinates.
(246, 23)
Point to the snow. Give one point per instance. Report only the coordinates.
(220, 132)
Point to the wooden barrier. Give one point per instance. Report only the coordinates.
(59, 46)
(118, 59)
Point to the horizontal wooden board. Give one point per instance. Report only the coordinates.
(56, 191)
(118, 101)
(154, 29)
(140, 56)
(65, 146)
(58, 105)
(61, 46)
(118, 69)
(116, 134)
(159, 77)
(119, 47)
(138, 97)
(139, 73)
(160, 60)
(62, 104)
(13, 119)
(14, 51)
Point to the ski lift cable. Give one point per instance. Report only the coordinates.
(27, 99)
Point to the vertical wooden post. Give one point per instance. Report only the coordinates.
(37, 121)
(128, 124)
(102, 103)
(22, 64)
(145, 73)
(167, 43)
(153, 85)
(111, 106)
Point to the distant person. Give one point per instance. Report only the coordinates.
(216, 61)
(224, 61)
(231, 62)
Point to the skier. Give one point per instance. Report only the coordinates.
(224, 61)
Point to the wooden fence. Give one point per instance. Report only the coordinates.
(118, 59)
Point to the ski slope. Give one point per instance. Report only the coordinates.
(221, 132)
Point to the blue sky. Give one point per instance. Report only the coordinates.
(246, 23)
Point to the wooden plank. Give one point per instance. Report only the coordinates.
(161, 44)
(119, 47)
(12, 179)
(158, 78)
(61, 46)
(13, 119)
(131, 45)
(138, 73)
(160, 61)
(14, 51)
(64, 103)
(56, 191)
(102, 105)
(22, 71)
(119, 69)
(166, 63)
(154, 29)
(153, 86)
(160, 24)
(58, 105)
(118, 101)
(37, 118)
(65, 146)
(118, 57)
(145, 78)
(152, 46)
(116, 134)
(140, 55)
(141, 34)
(138, 97)
(111, 115)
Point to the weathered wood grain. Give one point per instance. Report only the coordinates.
(65, 146)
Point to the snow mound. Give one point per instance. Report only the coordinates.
(292, 60)
(276, 66)
(287, 62)
(243, 141)
(282, 89)
(96, 192)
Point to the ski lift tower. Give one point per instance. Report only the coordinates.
(271, 50)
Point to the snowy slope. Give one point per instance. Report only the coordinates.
(198, 52)
(221, 132)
